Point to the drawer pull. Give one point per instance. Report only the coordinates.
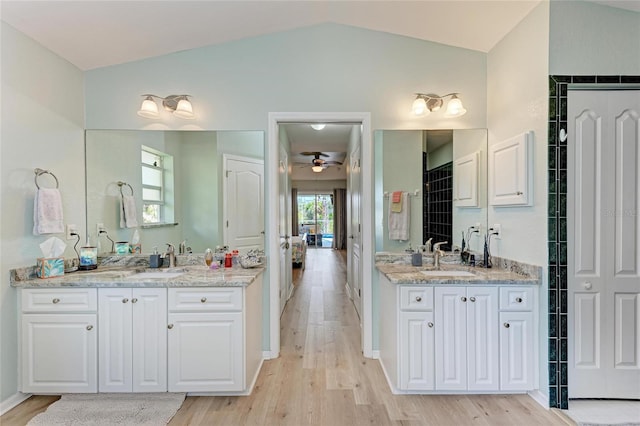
(203, 300)
(134, 300)
(56, 300)
(418, 299)
(430, 324)
(473, 299)
(464, 299)
(506, 325)
(89, 327)
(125, 300)
(170, 326)
(519, 299)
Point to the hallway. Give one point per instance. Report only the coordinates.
(321, 377)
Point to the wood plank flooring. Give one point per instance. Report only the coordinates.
(321, 377)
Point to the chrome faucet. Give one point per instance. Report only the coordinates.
(437, 253)
(171, 252)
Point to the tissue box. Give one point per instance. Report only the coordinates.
(49, 267)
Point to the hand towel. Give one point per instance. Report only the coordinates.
(399, 222)
(396, 201)
(47, 212)
(128, 215)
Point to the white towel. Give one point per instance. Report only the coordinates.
(47, 212)
(399, 222)
(128, 215)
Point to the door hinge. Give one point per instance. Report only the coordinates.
(227, 224)
(359, 295)
(227, 173)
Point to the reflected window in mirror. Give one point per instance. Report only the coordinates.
(154, 176)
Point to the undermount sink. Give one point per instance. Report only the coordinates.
(435, 273)
(157, 274)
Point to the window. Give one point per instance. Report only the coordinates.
(154, 176)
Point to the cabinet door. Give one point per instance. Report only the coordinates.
(516, 351)
(59, 353)
(482, 338)
(417, 358)
(450, 335)
(115, 320)
(149, 339)
(205, 352)
(510, 171)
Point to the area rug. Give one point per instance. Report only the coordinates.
(104, 409)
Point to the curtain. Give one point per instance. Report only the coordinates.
(340, 218)
(294, 212)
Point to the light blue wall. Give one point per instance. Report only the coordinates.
(586, 38)
(327, 67)
(42, 126)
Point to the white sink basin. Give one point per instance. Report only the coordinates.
(448, 273)
(157, 274)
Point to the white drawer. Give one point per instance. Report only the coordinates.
(60, 300)
(516, 298)
(416, 298)
(205, 299)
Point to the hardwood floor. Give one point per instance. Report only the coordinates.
(321, 377)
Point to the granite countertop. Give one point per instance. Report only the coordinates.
(407, 274)
(191, 276)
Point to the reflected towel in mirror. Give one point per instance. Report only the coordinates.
(399, 222)
(128, 215)
(47, 212)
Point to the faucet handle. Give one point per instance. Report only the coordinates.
(437, 245)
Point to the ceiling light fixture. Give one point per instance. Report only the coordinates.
(318, 126)
(179, 105)
(425, 104)
(317, 169)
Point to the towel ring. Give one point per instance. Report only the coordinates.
(39, 172)
(121, 184)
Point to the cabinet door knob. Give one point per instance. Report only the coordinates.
(464, 299)
(89, 327)
(56, 300)
(134, 300)
(519, 299)
(587, 285)
(506, 325)
(430, 324)
(170, 326)
(203, 300)
(519, 193)
(418, 299)
(473, 299)
(125, 300)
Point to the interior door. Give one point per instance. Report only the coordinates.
(603, 233)
(244, 203)
(354, 268)
(284, 226)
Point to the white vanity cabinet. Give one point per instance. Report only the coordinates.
(133, 339)
(215, 338)
(466, 338)
(58, 341)
(516, 338)
(457, 338)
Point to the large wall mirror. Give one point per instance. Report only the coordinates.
(180, 184)
(444, 173)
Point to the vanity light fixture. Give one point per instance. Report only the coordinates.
(179, 105)
(318, 126)
(425, 104)
(317, 169)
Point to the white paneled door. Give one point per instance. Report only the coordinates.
(603, 234)
(354, 245)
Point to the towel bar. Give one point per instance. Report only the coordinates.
(121, 184)
(410, 194)
(39, 172)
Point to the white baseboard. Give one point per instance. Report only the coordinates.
(540, 398)
(270, 355)
(375, 354)
(12, 401)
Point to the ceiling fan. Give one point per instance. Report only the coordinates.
(318, 164)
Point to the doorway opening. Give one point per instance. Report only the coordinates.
(278, 236)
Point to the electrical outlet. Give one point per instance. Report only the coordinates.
(496, 231)
(99, 228)
(71, 229)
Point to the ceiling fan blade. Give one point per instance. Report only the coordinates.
(314, 153)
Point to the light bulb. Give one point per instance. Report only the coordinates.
(318, 126)
(317, 169)
(455, 108)
(184, 109)
(419, 107)
(148, 109)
